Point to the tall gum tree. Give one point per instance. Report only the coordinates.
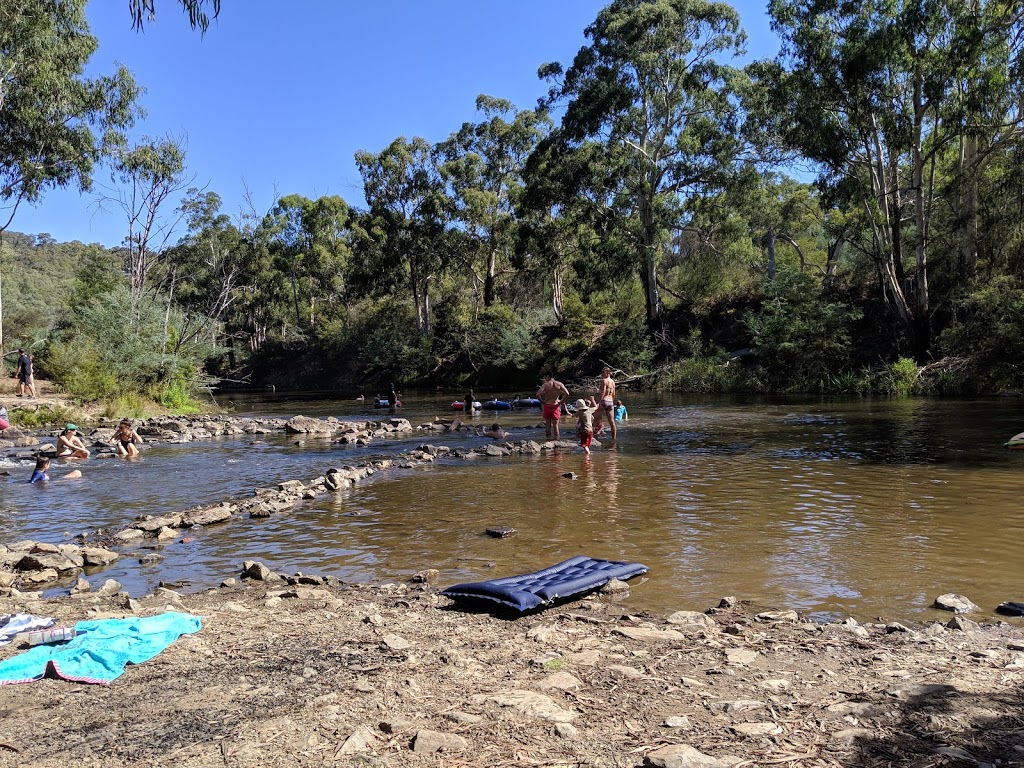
(877, 94)
(405, 223)
(656, 110)
(482, 166)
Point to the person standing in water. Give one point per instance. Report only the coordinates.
(606, 402)
(551, 395)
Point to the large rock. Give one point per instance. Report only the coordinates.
(955, 603)
(43, 562)
(309, 425)
(692, 619)
(154, 524)
(98, 556)
(206, 515)
(530, 704)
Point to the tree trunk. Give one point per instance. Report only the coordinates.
(556, 293)
(770, 246)
(649, 264)
(489, 276)
(922, 332)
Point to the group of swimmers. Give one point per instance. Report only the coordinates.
(590, 412)
(71, 446)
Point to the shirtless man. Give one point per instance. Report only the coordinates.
(551, 394)
(606, 402)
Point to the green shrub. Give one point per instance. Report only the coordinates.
(42, 416)
(117, 346)
(901, 378)
(801, 339)
(702, 375)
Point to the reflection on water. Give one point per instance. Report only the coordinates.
(864, 508)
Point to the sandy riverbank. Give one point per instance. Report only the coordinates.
(320, 673)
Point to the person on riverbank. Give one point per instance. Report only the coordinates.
(70, 445)
(585, 423)
(126, 439)
(26, 381)
(5, 422)
(606, 402)
(552, 394)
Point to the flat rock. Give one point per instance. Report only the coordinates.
(561, 681)
(427, 742)
(685, 756)
(309, 425)
(693, 619)
(528, 703)
(756, 729)
(98, 556)
(649, 635)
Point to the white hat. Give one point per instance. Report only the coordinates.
(581, 403)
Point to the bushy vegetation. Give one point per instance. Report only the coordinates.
(587, 230)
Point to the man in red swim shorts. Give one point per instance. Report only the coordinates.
(551, 394)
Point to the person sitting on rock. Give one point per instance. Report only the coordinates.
(4, 419)
(70, 445)
(126, 439)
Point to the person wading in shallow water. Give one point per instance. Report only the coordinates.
(606, 402)
(551, 395)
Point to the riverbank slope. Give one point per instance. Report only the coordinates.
(304, 671)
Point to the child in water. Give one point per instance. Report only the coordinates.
(39, 474)
(495, 432)
(620, 411)
(585, 423)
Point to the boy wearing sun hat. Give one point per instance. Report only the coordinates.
(585, 423)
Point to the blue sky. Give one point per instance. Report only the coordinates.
(277, 97)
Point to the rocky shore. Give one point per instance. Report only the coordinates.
(33, 564)
(307, 671)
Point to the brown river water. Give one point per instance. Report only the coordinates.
(862, 508)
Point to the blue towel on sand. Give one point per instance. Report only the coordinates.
(100, 649)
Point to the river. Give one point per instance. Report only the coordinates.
(856, 508)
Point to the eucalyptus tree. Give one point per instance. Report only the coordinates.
(207, 266)
(652, 113)
(311, 242)
(55, 122)
(482, 165)
(894, 100)
(328, 222)
(151, 174)
(288, 241)
(405, 245)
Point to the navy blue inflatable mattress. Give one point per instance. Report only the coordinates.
(572, 577)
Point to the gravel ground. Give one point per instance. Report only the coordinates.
(318, 673)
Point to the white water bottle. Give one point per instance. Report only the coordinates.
(50, 635)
